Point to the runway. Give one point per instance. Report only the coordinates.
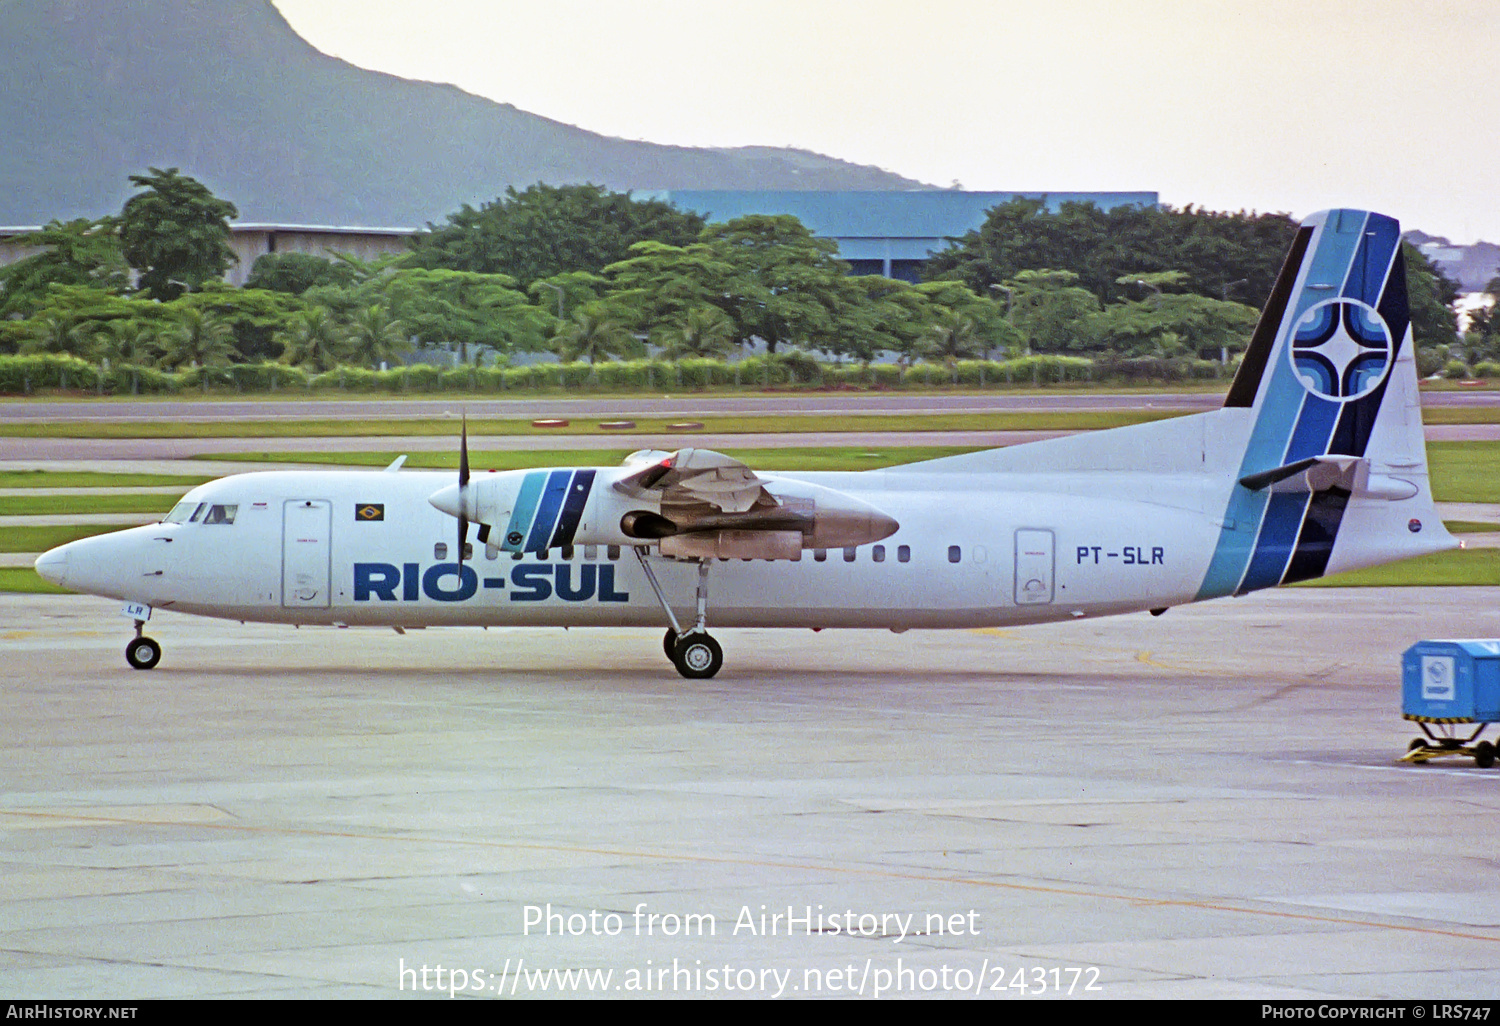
(1202, 805)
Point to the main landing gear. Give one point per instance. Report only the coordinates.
(694, 652)
(142, 653)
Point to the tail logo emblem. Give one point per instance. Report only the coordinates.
(1341, 349)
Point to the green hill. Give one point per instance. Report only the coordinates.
(224, 89)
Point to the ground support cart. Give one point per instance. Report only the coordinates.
(1445, 687)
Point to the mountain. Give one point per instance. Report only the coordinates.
(97, 90)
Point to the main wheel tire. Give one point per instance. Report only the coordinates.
(669, 644)
(143, 653)
(697, 656)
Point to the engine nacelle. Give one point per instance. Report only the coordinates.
(537, 510)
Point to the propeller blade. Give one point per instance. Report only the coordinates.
(463, 491)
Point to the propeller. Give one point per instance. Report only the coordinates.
(463, 492)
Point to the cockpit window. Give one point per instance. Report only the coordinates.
(200, 513)
(181, 512)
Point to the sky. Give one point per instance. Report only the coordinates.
(1267, 105)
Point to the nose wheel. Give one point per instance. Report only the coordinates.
(142, 653)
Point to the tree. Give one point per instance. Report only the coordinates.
(1431, 293)
(297, 272)
(1166, 324)
(124, 341)
(80, 252)
(786, 286)
(376, 338)
(62, 335)
(549, 230)
(314, 340)
(659, 284)
(702, 331)
(954, 337)
(196, 339)
(175, 233)
(464, 308)
(1051, 310)
(1211, 249)
(590, 336)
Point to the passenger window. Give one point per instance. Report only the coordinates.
(954, 555)
(468, 551)
(820, 555)
(440, 551)
(591, 553)
(877, 553)
(567, 553)
(903, 553)
(849, 554)
(613, 552)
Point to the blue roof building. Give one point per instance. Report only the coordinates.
(889, 233)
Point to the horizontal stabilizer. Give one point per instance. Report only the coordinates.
(1323, 473)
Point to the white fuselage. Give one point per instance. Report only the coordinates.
(969, 553)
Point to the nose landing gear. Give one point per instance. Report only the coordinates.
(142, 653)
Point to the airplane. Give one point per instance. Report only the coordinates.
(1315, 464)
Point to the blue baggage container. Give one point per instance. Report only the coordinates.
(1451, 681)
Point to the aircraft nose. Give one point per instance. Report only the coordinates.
(52, 565)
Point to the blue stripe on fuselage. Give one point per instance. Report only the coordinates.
(520, 518)
(546, 514)
(572, 511)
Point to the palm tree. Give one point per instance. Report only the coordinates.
(198, 339)
(124, 341)
(375, 337)
(954, 337)
(59, 335)
(314, 340)
(703, 331)
(589, 337)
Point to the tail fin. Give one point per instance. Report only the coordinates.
(1333, 474)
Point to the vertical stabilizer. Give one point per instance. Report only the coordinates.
(1334, 469)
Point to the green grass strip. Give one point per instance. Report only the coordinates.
(91, 479)
(25, 580)
(64, 505)
(1455, 568)
(1470, 527)
(40, 539)
(1465, 471)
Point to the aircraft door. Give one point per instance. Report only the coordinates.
(305, 528)
(1034, 566)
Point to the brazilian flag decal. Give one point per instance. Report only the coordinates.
(369, 511)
